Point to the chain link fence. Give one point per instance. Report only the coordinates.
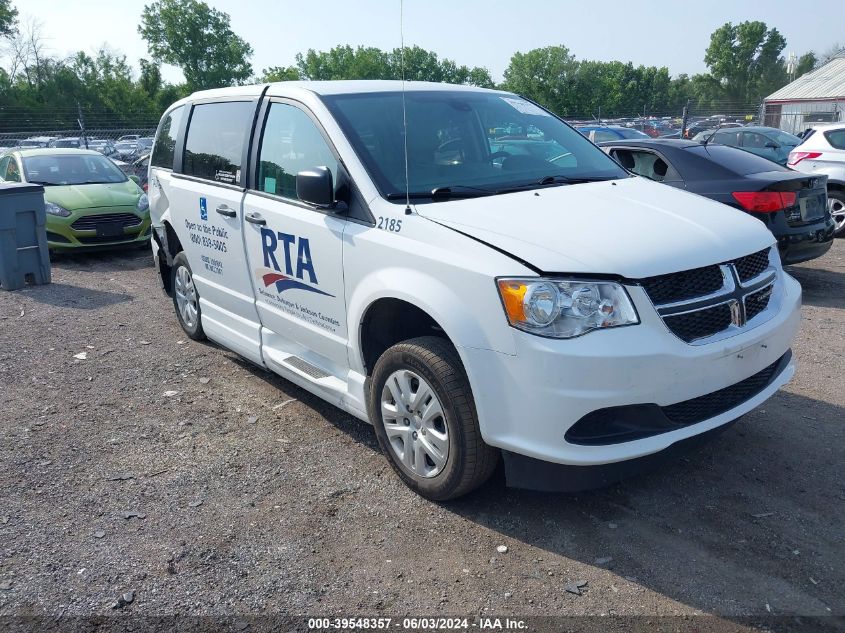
(123, 144)
(128, 138)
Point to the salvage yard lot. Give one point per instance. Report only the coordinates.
(177, 471)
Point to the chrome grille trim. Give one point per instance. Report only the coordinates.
(733, 292)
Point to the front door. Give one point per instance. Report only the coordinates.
(294, 251)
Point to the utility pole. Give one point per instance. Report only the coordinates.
(81, 121)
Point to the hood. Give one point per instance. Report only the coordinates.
(73, 197)
(631, 227)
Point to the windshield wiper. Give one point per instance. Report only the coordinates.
(557, 179)
(444, 193)
(560, 179)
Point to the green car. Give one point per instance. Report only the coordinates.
(90, 202)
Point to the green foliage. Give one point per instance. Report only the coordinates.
(746, 60)
(198, 39)
(805, 64)
(279, 73)
(546, 75)
(8, 18)
(345, 62)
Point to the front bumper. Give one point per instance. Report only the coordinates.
(527, 402)
(63, 236)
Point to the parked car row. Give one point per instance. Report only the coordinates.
(90, 202)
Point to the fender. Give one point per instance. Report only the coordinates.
(458, 317)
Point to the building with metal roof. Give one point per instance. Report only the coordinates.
(816, 97)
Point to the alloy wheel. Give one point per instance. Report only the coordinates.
(837, 210)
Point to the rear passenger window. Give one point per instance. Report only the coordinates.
(165, 144)
(216, 138)
(291, 143)
(836, 138)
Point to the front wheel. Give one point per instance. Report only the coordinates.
(836, 206)
(425, 420)
(186, 299)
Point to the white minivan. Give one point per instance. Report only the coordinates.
(469, 274)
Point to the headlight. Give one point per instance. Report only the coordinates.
(143, 202)
(565, 308)
(54, 209)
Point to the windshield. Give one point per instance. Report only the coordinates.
(482, 142)
(71, 169)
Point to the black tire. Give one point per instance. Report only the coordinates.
(840, 196)
(194, 331)
(470, 461)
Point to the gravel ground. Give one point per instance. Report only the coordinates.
(204, 485)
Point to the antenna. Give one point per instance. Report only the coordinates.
(404, 111)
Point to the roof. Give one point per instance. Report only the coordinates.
(827, 126)
(54, 151)
(356, 86)
(826, 82)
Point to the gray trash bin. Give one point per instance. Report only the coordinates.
(24, 256)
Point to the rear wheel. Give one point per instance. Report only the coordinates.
(836, 206)
(186, 299)
(425, 420)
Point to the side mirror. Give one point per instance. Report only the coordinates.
(135, 179)
(772, 145)
(315, 186)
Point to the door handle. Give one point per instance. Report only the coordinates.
(255, 218)
(225, 210)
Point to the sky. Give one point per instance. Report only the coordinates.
(471, 32)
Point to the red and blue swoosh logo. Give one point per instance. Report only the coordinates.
(283, 282)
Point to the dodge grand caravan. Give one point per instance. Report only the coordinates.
(469, 295)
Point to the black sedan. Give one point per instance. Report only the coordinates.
(793, 205)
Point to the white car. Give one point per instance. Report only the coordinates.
(470, 296)
(822, 151)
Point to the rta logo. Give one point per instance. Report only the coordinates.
(271, 242)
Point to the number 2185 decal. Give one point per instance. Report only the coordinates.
(390, 224)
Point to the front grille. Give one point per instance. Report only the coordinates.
(700, 324)
(614, 425)
(752, 265)
(684, 285)
(757, 302)
(713, 404)
(106, 239)
(703, 302)
(90, 222)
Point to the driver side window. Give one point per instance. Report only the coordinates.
(291, 143)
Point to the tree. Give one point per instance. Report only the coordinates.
(344, 62)
(198, 39)
(831, 52)
(8, 18)
(807, 62)
(546, 75)
(279, 73)
(419, 64)
(745, 59)
(150, 79)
